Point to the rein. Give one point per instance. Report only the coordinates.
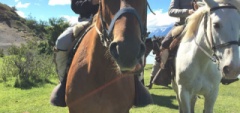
(106, 34)
(214, 47)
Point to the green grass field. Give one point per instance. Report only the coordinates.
(36, 100)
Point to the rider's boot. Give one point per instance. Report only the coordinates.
(58, 93)
(150, 83)
(142, 96)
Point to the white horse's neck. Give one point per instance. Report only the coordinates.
(198, 50)
(202, 40)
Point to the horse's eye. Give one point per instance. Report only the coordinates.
(216, 25)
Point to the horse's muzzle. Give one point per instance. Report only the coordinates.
(230, 72)
(128, 58)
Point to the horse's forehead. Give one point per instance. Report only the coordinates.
(228, 17)
(228, 20)
(115, 5)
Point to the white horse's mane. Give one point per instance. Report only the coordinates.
(194, 20)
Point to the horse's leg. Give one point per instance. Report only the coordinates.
(184, 97)
(193, 102)
(174, 86)
(179, 106)
(210, 100)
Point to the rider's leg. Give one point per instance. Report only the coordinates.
(164, 49)
(60, 60)
(155, 69)
(142, 96)
(63, 44)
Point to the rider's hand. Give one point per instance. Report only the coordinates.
(190, 11)
(95, 2)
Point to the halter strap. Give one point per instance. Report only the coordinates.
(107, 32)
(120, 13)
(222, 7)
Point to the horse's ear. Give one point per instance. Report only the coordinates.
(154, 36)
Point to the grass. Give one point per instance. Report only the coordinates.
(36, 100)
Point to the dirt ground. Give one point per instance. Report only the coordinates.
(10, 36)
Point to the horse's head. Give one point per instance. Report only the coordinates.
(223, 33)
(154, 44)
(124, 29)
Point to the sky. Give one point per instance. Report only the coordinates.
(45, 9)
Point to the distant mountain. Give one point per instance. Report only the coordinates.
(160, 31)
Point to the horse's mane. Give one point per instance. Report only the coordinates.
(194, 20)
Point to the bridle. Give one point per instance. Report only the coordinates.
(210, 40)
(106, 33)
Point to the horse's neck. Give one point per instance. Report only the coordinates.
(201, 43)
(148, 50)
(203, 38)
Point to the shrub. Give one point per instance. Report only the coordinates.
(1, 53)
(27, 67)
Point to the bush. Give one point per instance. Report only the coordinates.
(1, 53)
(27, 67)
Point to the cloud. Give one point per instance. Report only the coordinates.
(58, 2)
(16, 0)
(20, 5)
(160, 19)
(20, 13)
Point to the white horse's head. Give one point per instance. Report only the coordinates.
(223, 33)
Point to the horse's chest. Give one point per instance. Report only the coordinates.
(201, 85)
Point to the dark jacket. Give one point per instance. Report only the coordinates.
(84, 8)
(179, 9)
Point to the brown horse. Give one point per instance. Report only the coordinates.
(101, 76)
(153, 44)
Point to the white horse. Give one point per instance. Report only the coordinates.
(208, 51)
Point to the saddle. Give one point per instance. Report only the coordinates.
(176, 31)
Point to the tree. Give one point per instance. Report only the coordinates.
(55, 28)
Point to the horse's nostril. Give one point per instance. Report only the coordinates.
(113, 50)
(141, 51)
(226, 70)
